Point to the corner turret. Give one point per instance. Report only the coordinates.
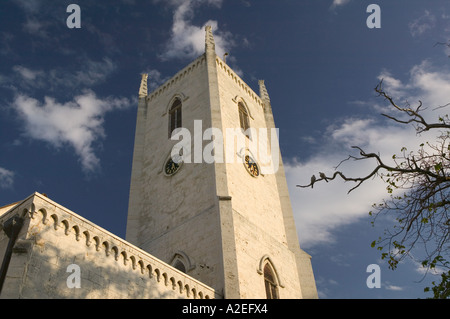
(264, 95)
(143, 88)
(210, 45)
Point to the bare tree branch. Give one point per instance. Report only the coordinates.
(422, 211)
(414, 116)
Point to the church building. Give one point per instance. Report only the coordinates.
(208, 216)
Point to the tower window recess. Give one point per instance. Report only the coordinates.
(174, 116)
(243, 117)
(270, 283)
(179, 265)
(182, 262)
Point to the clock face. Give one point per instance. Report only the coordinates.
(171, 167)
(251, 166)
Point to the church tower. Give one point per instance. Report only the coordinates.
(202, 198)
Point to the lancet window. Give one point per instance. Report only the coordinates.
(175, 116)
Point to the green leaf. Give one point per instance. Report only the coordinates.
(438, 167)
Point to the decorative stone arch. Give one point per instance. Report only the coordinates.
(43, 215)
(105, 246)
(266, 260)
(180, 96)
(124, 256)
(158, 274)
(244, 115)
(97, 241)
(150, 271)
(133, 262)
(182, 262)
(166, 279)
(142, 265)
(76, 230)
(174, 283)
(174, 110)
(29, 211)
(66, 226)
(115, 251)
(87, 237)
(55, 220)
(239, 99)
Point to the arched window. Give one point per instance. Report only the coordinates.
(179, 265)
(270, 282)
(243, 117)
(182, 262)
(174, 116)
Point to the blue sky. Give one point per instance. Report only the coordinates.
(68, 101)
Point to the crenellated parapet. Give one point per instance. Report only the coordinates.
(52, 237)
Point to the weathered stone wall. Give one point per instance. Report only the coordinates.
(53, 238)
(178, 213)
(257, 214)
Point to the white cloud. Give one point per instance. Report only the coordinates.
(337, 3)
(187, 41)
(92, 72)
(422, 24)
(78, 123)
(432, 85)
(34, 23)
(88, 74)
(29, 6)
(5, 43)
(320, 210)
(436, 271)
(155, 79)
(394, 288)
(6, 178)
(26, 73)
(327, 206)
(396, 87)
(35, 27)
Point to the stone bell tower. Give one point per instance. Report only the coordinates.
(215, 211)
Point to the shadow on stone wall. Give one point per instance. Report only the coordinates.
(109, 267)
